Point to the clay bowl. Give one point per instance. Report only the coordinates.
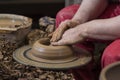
(43, 49)
(111, 72)
(14, 27)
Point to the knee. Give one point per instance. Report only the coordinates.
(66, 13)
(111, 53)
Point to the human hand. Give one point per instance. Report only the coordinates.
(71, 36)
(62, 28)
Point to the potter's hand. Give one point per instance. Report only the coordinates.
(62, 28)
(71, 36)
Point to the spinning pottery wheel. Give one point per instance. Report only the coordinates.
(43, 55)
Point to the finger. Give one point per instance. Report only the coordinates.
(59, 31)
(72, 24)
(58, 34)
(50, 35)
(60, 42)
(53, 38)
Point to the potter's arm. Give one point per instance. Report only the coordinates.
(90, 9)
(105, 29)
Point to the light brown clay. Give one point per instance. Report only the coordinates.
(14, 28)
(46, 56)
(43, 49)
(111, 72)
(12, 22)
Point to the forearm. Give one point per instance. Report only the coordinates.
(105, 29)
(90, 9)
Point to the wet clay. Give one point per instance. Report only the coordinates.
(12, 22)
(4, 22)
(43, 49)
(43, 55)
(14, 28)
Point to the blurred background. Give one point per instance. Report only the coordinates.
(31, 7)
(34, 8)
